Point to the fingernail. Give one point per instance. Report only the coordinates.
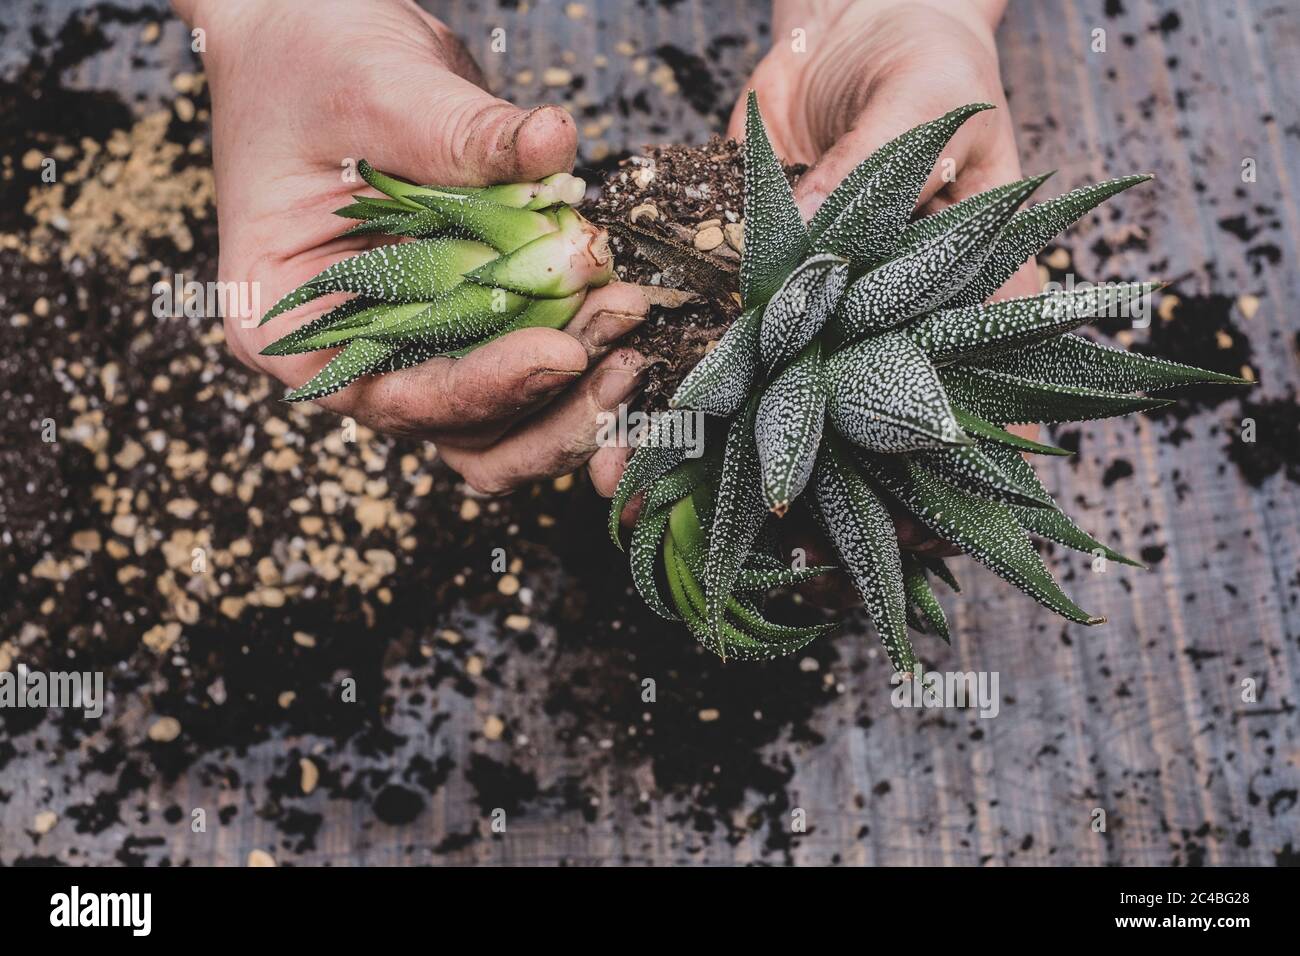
(615, 385)
(510, 132)
(606, 327)
(544, 381)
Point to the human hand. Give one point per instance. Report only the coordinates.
(867, 71)
(300, 88)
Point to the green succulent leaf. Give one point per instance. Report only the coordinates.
(652, 459)
(977, 427)
(688, 599)
(1050, 523)
(406, 223)
(503, 228)
(354, 314)
(976, 332)
(969, 468)
(1030, 230)
(406, 272)
(675, 485)
(863, 215)
(921, 596)
(769, 632)
(360, 357)
(752, 579)
(467, 314)
(788, 429)
(986, 530)
(397, 189)
(939, 569)
(720, 382)
(884, 395)
(742, 647)
(860, 527)
(776, 238)
(927, 228)
(738, 514)
(1010, 398)
(926, 275)
(644, 551)
(800, 308)
(1072, 361)
(368, 207)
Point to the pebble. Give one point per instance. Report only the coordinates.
(303, 639)
(1058, 258)
(508, 585)
(709, 714)
(646, 210)
(260, 858)
(556, 76)
(708, 238)
(519, 622)
(44, 821)
(493, 727)
(162, 637)
(87, 540)
(469, 509)
(310, 774)
(1249, 305)
(125, 525)
(164, 730)
(735, 235)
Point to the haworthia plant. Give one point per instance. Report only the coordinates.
(875, 381)
(482, 263)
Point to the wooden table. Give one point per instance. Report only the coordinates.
(1142, 720)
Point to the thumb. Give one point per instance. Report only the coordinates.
(444, 129)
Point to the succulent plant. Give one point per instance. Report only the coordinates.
(483, 262)
(865, 371)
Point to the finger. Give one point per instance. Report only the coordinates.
(886, 118)
(606, 468)
(435, 126)
(560, 438)
(488, 389)
(607, 314)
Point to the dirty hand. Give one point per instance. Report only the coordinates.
(844, 77)
(301, 89)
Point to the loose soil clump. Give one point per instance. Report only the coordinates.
(675, 216)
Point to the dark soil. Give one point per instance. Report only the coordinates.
(685, 186)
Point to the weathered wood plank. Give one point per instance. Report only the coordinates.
(1143, 719)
